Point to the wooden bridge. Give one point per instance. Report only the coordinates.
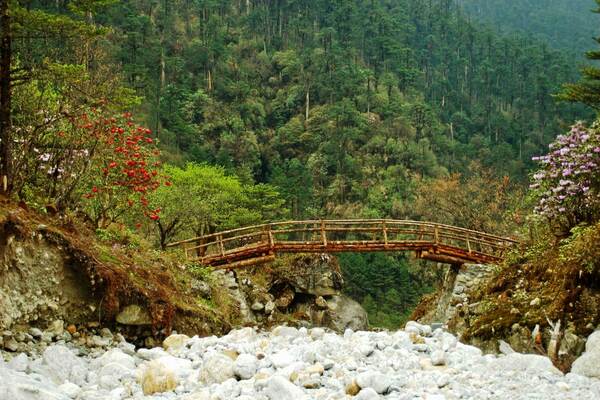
(258, 244)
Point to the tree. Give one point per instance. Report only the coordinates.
(567, 185)
(28, 24)
(479, 201)
(587, 91)
(204, 199)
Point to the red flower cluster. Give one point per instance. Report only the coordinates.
(128, 161)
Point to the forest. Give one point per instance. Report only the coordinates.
(177, 118)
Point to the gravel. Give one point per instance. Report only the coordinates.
(289, 363)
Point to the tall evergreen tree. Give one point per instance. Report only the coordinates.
(587, 90)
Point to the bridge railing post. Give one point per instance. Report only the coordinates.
(221, 246)
(385, 236)
(323, 233)
(271, 239)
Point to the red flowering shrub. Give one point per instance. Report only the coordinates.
(124, 168)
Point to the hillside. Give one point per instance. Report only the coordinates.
(563, 24)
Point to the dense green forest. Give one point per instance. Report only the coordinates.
(267, 109)
(564, 24)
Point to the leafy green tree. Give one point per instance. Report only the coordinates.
(203, 199)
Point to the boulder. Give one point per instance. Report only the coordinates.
(374, 380)
(175, 342)
(346, 313)
(587, 365)
(318, 275)
(526, 363)
(245, 366)
(217, 369)
(592, 343)
(62, 365)
(367, 394)
(134, 315)
(279, 388)
(157, 377)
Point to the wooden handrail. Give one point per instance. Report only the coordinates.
(437, 241)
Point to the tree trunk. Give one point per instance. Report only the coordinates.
(5, 99)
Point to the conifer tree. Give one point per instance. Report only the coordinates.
(587, 90)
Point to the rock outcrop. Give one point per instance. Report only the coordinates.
(300, 289)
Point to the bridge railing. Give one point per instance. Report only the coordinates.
(339, 235)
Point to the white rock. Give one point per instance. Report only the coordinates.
(70, 389)
(19, 363)
(374, 380)
(175, 342)
(111, 374)
(438, 358)
(63, 365)
(592, 343)
(317, 333)
(114, 356)
(217, 369)
(530, 363)
(367, 394)
(279, 388)
(282, 359)
(156, 376)
(587, 365)
(245, 366)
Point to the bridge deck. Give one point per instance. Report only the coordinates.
(257, 244)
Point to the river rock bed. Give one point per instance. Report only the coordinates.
(289, 363)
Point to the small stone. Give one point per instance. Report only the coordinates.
(56, 328)
(515, 311)
(70, 389)
(72, 329)
(19, 363)
(11, 344)
(47, 337)
(279, 388)
(352, 389)
(134, 315)
(98, 341)
(257, 306)
(311, 384)
(269, 307)
(535, 302)
(245, 366)
(158, 377)
(175, 342)
(315, 369)
(217, 369)
(438, 358)
(321, 302)
(35, 332)
(368, 394)
(317, 333)
(106, 333)
(374, 380)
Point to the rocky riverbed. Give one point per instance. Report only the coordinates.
(289, 363)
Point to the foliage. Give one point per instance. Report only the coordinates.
(543, 19)
(384, 286)
(124, 167)
(204, 199)
(580, 250)
(568, 183)
(587, 91)
(479, 201)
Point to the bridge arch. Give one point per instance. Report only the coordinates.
(258, 244)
